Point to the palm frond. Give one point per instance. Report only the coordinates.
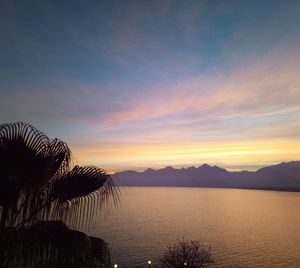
(52, 243)
(28, 161)
(81, 192)
(22, 159)
(79, 182)
(61, 157)
(100, 250)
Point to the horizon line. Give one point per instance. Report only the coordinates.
(205, 164)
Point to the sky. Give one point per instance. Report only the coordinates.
(138, 84)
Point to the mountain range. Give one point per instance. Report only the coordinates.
(283, 176)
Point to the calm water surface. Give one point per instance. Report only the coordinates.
(245, 228)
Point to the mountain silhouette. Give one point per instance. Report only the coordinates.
(283, 176)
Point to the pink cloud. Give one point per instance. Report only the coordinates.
(268, 86)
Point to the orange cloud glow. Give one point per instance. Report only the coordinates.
(116, 157)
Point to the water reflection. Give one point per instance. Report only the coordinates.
(245, 228)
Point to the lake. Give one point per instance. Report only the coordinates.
(245, 228)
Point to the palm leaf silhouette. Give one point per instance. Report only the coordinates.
(89, 184)
(38, 191)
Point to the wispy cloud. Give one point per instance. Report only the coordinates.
(156, 82)
(268, 87)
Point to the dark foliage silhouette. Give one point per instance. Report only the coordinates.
(43, 200)
(186, 254)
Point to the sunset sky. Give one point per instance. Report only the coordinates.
(137, 84)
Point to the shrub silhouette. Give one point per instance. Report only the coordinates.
(42, 198)
(186, 254)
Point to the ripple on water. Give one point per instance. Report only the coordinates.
(245, 228)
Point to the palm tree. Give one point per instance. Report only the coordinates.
(43, 201)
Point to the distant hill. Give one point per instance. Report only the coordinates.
(284, 176)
